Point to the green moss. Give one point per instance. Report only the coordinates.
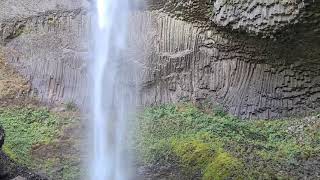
(201, 153)
(9, 152)
(24, 128)
(222, 167)
(194, 137)
(28, 128)
(194, 153)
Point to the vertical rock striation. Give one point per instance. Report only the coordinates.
(50, 49)
(257, 59)
(250, 77)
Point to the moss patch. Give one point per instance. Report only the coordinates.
(222, 167)
(37, 139)
(209, 144)
(26, 128)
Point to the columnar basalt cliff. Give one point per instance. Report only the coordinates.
(49, 48)
(249, 76)
(257, 59)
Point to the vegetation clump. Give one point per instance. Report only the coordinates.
(35, 138)
(223, 166)
(210, 145)
(26, 128)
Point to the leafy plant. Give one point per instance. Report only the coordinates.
(24, 128)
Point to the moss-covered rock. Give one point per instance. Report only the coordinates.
(222, 167)
(210, 145)
(42, 140)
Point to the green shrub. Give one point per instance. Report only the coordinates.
(222, 167)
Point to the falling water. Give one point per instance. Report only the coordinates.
(112, 97)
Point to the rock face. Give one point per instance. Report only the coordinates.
(257, 15)
(250, 77)
(264, 17)
(257, 59)
(47, 44)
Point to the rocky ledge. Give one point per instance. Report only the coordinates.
(9, 170)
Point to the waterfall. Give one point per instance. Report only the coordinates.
(112, 93)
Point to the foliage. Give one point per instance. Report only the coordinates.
(216, 145)
(25, 128)
(28, 128)
(224, 166)
(195, 153)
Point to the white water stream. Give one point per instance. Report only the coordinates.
(112, 99)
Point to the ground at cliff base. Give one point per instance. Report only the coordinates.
(10, 171)
(39, 138)
(45, 141)
(186, 142)
(172, 142)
